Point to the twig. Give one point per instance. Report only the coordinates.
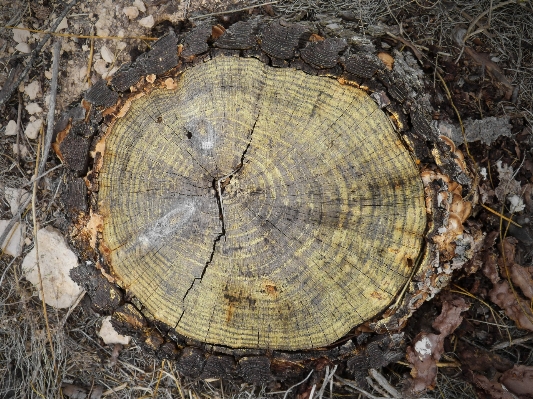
(232, 11)
(517, 341)
(37, 50)
(51, 107)
(476, 20)
(19, 120)
(449, 95)
(293, 386)
(384, 383)
(42, 175)
(500, 215)
(71, 308)
(36, 244)
(91, 52)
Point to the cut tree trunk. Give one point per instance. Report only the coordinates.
(254, 197)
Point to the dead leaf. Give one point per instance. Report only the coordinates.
(493, 389)
(427, 349)
(516, 308)
(519, 380)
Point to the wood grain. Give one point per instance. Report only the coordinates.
(257, 207)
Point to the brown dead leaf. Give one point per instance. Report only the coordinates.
(493, 389)
(519, 380)
(427, 349)
(490, 267)
(516, 308)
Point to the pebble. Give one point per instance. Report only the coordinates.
(62, 25)
(107, 55)
(22, 148)
(15, 240)
(110, 336)
(19, 35)
(33, 89)
(100, 66)
(131, 12)
(147, 22)
(11, 128)
(32, 129)
(56, 260)
(23, 48)
(140, 5)
(15, 197)
(33, 108)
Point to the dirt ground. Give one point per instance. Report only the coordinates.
(477, 61)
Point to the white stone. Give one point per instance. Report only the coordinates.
(131, 12)
(62, 25)
(33, 108)
(32, 129)
(82, 73)
(107, 55)
(33, 89)
(55, 262)
(48, 74)
(121, 46)
(19, 35)
(15, 239)
(147, 22)
(11, 128)
(110, 336)
(20, 149)
(100, 67)
(23, 48)
(140, 5)
(517, 205)
(424, 346)
(15, 197)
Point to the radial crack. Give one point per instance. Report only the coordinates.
(218, 195)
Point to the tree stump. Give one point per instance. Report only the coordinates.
(256, 194)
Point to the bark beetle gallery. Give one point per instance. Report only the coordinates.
(254, 194)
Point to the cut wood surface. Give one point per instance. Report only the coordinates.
(257, 207)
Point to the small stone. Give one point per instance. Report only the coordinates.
(56, 260)
(48, 74)
(33, 89)
(147, 22)
(14, 241)
(62, 25)
(21, 150)
(33, 108)
(110, 336)
(107, 55)
(32, 129)
(84, 47)
(15, 197)
(121, 46)
(11, 128)
(100, 67)
(131, 12)
(23, 48)
(19, 35)
(140, 5)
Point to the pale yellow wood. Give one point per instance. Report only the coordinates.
(323, 220)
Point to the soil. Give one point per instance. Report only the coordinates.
(480, 323)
